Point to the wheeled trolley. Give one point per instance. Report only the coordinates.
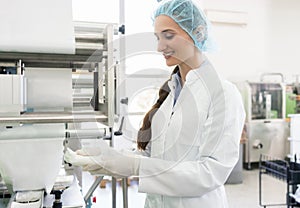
(282, 170)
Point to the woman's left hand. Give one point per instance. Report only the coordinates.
(108, 162)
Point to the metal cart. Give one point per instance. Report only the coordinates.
(281, 170)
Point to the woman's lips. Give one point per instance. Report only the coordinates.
(168, 55)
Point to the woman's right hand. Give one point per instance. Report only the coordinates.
(100, 147)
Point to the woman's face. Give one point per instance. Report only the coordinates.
(175, 44)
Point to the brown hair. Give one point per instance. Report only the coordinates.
(144, 133)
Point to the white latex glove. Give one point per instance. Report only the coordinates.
(107, 161)
(77, 160)
(115, 163)
(93, 151)
(88, 151)
(87, 162)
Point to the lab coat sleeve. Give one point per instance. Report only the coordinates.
(196, 178)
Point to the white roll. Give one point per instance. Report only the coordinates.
(31, 164)
(87, 133)
(30, 131)
(37, 26)
(49, 89)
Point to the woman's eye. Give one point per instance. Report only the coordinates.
(169, 36)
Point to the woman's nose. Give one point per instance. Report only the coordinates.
(161, 45)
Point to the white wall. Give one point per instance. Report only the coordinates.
(283, 31)
(242, 52)
(268, 43)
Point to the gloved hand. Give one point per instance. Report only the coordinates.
(76, 159)
(100, 146)
(108, 162)
(115, 163)
(85, 161)
(89, 151)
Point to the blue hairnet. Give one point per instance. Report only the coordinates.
(191, 19)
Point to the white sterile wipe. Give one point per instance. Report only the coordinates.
(28, 199)
(26, 205)
(28, 196)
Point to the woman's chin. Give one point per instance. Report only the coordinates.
(171, 63)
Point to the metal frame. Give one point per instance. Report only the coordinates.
(94, 52)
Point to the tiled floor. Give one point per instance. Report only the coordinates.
(244, 195)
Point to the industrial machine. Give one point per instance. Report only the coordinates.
(266, 126)
(69, 91)
(295, 96)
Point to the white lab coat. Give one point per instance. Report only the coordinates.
(194, 144)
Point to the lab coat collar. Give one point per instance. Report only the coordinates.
(197, 73)
(192, 75)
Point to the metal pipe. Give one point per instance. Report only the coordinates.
(271, 74)
(92, 189)
(125, 192)
(52, 118)
(114, 192)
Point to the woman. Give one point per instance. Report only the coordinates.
(192, 132)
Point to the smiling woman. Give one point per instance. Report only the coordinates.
(190, 137)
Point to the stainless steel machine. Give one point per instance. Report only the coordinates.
(94, 69)
(266, 126)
